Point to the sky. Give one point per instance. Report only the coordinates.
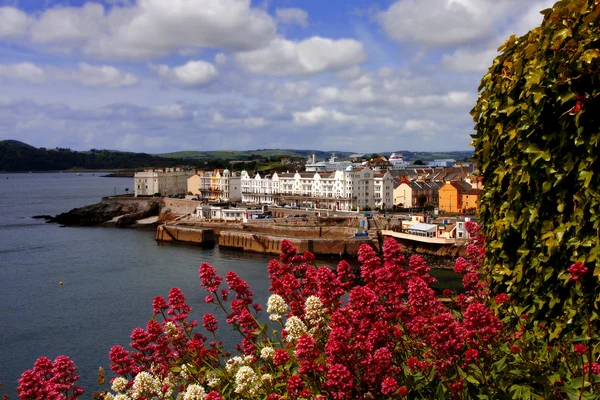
(159, 76)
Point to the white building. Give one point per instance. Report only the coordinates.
(323, 166)
(397, 161)
(351, 189)
(217, 185)
(220, 213)
(168, 181)
(384, 190)
(258, 190)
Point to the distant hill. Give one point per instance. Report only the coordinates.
(16, 144)
(249, 154)
(18, 156)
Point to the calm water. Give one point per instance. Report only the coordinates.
(109, 275)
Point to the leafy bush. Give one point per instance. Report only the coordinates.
(537, 146)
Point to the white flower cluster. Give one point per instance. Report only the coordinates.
(267, 378)
(212, 379)
(119, 385)
(186, 371)
(267, 353)
(246, 381)
(194, 392)
(314, 315)
(276, 307)
(145, 384)
(120, 396)
(294, 327)
(237, 361)
(172, 330)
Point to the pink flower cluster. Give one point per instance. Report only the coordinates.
(50, 380)
(343, 339)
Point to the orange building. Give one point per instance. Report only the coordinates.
(470, 199)
(451, 196)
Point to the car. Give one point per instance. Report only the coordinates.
(304, 216)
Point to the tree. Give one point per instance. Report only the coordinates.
(419, 162)
(421, 200)
(537, 146)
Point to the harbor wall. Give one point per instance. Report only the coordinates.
(268, 244)
(203, 237)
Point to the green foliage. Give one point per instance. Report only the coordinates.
(17, 156)
(537, 146)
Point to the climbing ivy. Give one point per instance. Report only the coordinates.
(537, 144)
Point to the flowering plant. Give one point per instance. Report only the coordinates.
(331, 337)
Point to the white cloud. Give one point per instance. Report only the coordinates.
(420, 125)
(13, 22)
(169, 110)
(146, 29)
(25, 71)
(438, 22)
(85, 74)
(193, 73)
(102, 75)
(292, 16)
(220, 59)
(479, 59)
(66, 28)
(469, 61)
(319, 115)
(310, 56)
(245, 122)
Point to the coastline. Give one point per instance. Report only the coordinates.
(172, 223)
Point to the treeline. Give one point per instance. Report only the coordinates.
(16, 156)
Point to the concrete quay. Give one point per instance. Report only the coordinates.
(266, 239)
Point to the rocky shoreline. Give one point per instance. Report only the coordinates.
(121, 213)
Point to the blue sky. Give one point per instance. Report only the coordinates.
(169, 75)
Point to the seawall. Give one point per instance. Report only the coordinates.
(269, 244)
(167, 233)
(318, 241)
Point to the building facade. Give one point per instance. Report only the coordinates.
(351, 189)
(217, 185)
(166, 182)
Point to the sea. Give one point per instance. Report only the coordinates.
(109, 276)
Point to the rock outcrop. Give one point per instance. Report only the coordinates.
(105, 211)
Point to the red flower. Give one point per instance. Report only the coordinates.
(389, 386)
(502, 298)
(515, 349)
(412, 363)
(594, 366)
(403, 391)
(159, 304)
(579, 348)
(210, 322)
(577, 270)
(280, 357)
(471, 354)
(209, 278)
